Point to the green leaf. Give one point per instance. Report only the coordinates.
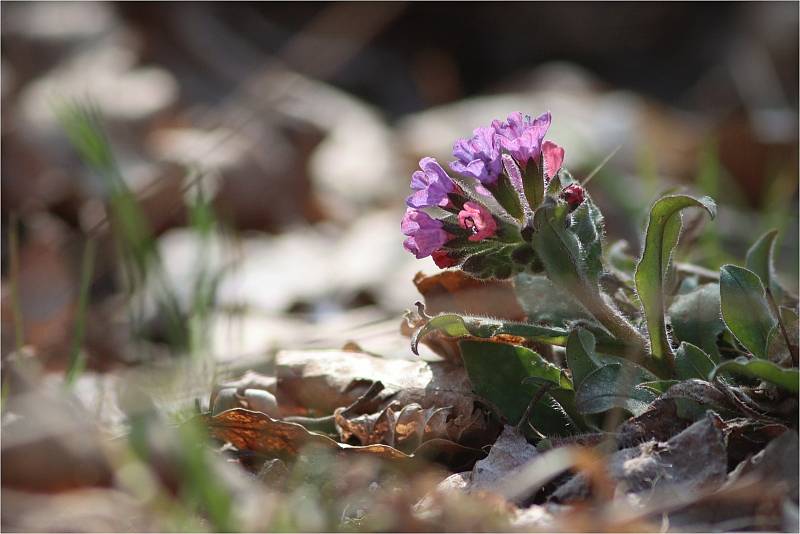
(692, 362)
(544, 302)
(557, 182)
(459, 326)
(759, 257)
(507, 196)
(558, 248)
(613, 386)
(589, 226)
(454, 325)
(745, 309)
(778, 350)
(695, 318)
(761, 260)
(449, 324)
(533, 183)
(761, 369)
(619, 260)
(580, 355)
(497, 371)
(663, 229)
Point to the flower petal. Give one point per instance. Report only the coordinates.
(553, 156)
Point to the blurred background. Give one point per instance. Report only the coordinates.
(261, 160)
(267, 149)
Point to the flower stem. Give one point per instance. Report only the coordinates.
(622, 329)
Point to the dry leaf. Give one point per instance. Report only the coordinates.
(322, 381)
(510, 452)
(258, 432)
(402, 427)
(693, 460)
(455, 292)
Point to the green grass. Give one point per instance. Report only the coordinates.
(77, 360)
(141, 262)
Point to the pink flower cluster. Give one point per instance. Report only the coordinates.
(504, 148)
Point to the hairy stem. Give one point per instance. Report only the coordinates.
(622, 329)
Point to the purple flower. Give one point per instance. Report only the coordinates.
(425, 234)
(431, 185)
(479, 156)
(521, 136)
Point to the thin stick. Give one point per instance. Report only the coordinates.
(600, 166)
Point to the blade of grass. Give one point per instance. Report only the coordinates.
(141, 261)
(203, 220)
(77, 360)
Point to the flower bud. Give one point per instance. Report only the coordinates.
(442, 259)
(573, 195)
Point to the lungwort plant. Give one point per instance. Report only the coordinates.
(604, 330)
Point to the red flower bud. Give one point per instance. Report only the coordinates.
(442, 259)
(573, 194)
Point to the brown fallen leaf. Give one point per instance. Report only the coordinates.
(455, 292)
(258, 432)
(507, 455)
(659, 422)
(323, 381)
(402, 427)
(748, 437)
(693, 460)
(756, 496)
(776, 464)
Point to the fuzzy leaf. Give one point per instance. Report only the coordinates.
(458, 326)
(580, 355)
(558, 248)
(759, 257)
(553, 187)
(589, 226)
(663, 229)
(745, 309)
(761, 260)
(695, 318)
(507, 196)
(692, 362)
(613, 386)
(533, 183)
(761, 369)
(497, 371)
(778, 350)
(544, 302)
